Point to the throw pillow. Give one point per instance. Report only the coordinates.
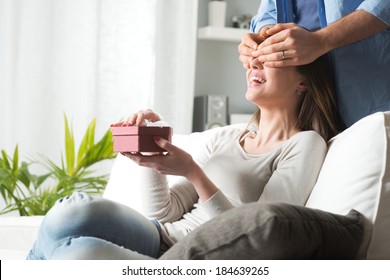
(355, 175)
(272, 231)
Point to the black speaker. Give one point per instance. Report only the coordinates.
(210, 111)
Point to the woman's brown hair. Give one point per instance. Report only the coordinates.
(319, 108)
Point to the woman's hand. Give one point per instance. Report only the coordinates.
(139, 118)
(174, 162)
(180, 163)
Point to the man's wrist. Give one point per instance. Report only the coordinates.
(324, 41)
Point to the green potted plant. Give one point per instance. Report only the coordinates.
(31, 194)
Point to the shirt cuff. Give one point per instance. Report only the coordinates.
(378, 8)
(217, 204)
(258, 23)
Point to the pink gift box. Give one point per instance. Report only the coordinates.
(139, 138)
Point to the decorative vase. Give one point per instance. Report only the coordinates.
(217, 13)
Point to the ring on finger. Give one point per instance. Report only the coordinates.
(283, 55)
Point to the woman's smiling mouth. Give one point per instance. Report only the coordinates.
(256, 80)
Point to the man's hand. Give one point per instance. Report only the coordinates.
(247, 47)
(249, 44)
(289, 45)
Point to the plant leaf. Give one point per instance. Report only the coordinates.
(87, 142)
(5, 159)
(69, 148)
(60, 180)
(23, 175)
(15, 162)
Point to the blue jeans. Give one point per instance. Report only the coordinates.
(86, 227)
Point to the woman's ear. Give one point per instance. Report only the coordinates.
(302, 87)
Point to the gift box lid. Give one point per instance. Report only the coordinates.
(141, 130)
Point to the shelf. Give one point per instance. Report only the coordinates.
(221, 33)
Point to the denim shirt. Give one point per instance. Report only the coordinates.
(362, 69)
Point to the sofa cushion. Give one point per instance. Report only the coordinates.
(19, 233)
(273, 231)
(355, 175)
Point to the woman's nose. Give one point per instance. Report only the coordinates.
(256, 64)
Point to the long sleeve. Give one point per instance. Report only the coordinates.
(217, 204)
(163, 202)
(378, 8)
(266, 15)
(169, 203)
(287, 173)
(337, 9)
(296, 171)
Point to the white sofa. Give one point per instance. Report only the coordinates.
(355, 175)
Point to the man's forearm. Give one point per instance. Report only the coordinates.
(352, 28)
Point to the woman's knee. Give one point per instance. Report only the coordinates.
(81, 215)
(71, 215)
(92, 248)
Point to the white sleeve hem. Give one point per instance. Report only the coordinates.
(217, 204)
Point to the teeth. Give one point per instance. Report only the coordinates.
(258, 79)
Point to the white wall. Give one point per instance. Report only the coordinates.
(219, 70)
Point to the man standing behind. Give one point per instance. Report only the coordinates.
(354, 32)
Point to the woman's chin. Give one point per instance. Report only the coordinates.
(250, 95)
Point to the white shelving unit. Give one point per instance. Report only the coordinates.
(218, 69)
(227, 34)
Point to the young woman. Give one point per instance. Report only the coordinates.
(278, 161)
